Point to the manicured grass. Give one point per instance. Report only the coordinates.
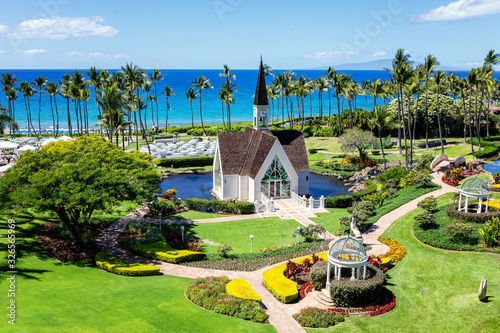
(483, 176)
(436, 290)
(191, 215)
(270, 231)
(331, 220)
(55, 297)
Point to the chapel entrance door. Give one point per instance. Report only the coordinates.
(275, 188)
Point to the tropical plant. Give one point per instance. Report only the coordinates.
(191, 95)
(52, 89)
(201, 83)
(167, 93)
(226, 73)
(155, 77)
(382, 120)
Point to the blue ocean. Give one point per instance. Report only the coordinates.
(180, 81)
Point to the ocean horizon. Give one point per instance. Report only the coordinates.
(180, 80)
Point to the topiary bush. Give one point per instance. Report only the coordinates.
(429, 204)
(459, 231)
(112, 264)
(356, 293)
(182, 162)
(163, 252)
(426, 220)
(452, 211)
(241, 289)
(204, 205)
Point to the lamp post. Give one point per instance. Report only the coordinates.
(251, 243)
(298, 234)
(182, 232)
(159, 215)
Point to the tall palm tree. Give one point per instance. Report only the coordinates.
(167, 93)
(272, 94)
(95, 82)
(27, 92)
(330, 72)
(8, 82)
(430, 64)
(65, 84)
(472, 81)
(85, 97)
(350, 90)
(490, 60)
(191, 95)
(226, 73)
(111, 101)
(155, 77)
(201, 83)
(39, 82)
(337, 82)
(6, 119)
(11, 95)
(382, 121)
(321, 85)
(52, 89)
(439, 80)
(146, 87)
(268, 71)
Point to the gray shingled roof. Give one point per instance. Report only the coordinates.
(243, 153)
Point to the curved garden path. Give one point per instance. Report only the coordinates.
(280, 314)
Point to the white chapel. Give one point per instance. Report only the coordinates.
(259, 162)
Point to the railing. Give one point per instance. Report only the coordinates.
(308, 203)
(263, 198)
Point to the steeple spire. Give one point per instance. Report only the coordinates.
(260, 91)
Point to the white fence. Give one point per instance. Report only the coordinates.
(308, 203)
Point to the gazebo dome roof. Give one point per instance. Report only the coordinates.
(475, 186)
(347, 250)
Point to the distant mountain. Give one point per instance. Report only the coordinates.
(381, 64)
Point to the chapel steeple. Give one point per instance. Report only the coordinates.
(261, 103)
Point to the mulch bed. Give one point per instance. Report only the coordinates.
(60, 248)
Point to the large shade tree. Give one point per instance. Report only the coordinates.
(76, 178)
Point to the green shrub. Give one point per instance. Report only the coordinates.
(452, 211)
(317, 318)
(318, 274)
(356, 293)
(339, 201)
(163, 252)
(393, 173)
(426, 220)
(490, 231)
(358, 195)
(488, 151)
(223, 250)
(429, 204)
(150, 234)
(312, 150)
(459, 231)
(204, 205)
(424, 162)
(112, 264)
(165, 207)
(182, 162)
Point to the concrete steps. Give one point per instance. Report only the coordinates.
(323, 297)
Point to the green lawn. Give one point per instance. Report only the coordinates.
(436, 290)
(331, 220)
(55, 297)
(192, 214)
(269, 231)
(483, 176)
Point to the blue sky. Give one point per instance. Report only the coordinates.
(210, 33)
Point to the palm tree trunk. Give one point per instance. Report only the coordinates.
(53, 120)
(57, 117)
(338, 109)
(382, 148)
(39, 110)
(201, 118)
(478, 125)
(415, 122)
(70, 129)
(166, 119)
(426, 116)
(439, 123)
(409, 132)
(222, 113)
(399, 128)
(470, 126)
(192, 115)
(404, 128)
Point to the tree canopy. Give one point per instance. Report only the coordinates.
(74, 179)
(356, 139)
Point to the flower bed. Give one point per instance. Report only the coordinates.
(210, 293)
(112, 264)
(240, 288)
(317, 318)
(396, 250)
(163, 252)
(454, 175)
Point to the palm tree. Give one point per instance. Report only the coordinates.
(6, 119)
(39, 82)
(167, 93)
(438, 80)
(65, 84)
(8, 81)
(27, 92)
(85, 97)
(320, 84)
(350, 90)
(95, 82)
(11, 97)
(337, 81)
(191, 95)
(472, 82)
(146, 87)
(330, 72)
(155, 77)
(52, 89)
(490, 60)
(202, 83)
(226, 73)
(111, 100)
(430, 63)
(272, 94)
(382, 121)
(268, 71)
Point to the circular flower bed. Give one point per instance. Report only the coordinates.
(210, 293)
(317, 318)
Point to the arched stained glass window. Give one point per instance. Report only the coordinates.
(275, 182)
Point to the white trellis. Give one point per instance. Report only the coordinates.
(474, 188)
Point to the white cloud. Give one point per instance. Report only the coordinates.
(2, 51)
(284, 22)
(460, 10)
(469, 65)
(74, 53)
(377, 54)
(35, 52)
(62, 27)
(330, 55)
(3, 29)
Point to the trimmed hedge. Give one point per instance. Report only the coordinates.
(282, 288)
(487, 151)
(182, 162)
(203, 205)
(112, 264)
(370, 190)
(356, 293)
(453, 212)
(340, 201)
(318, 274)
(240, 288)
(163, 252)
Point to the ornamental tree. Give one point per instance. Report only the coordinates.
(74, 179)
(356, 139)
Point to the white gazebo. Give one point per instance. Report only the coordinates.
(346, 252)
(474, 188)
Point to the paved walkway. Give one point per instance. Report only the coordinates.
(280, 315)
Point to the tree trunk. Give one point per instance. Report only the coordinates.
(201, 118)
(426, 116)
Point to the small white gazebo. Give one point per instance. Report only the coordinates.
(346, 252)
(474, 188)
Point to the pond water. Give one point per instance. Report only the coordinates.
(199, 186)
(493, 166)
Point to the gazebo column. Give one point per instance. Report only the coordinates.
(480, 206)
(339, 274)
(353, 277)
(328, 277)
(460, 202)
(357, 269)
(487, 203)
(364, 272)
(466, 204)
